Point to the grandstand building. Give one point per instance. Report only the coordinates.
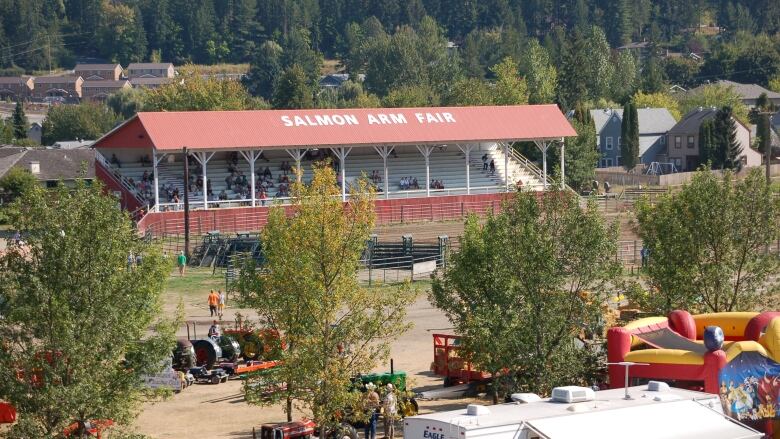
(445, 150)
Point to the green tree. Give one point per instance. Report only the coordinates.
(573, 83)
(543, 264)
(510, 88)
(71, 122)
(764, 133)
(581, 155)
(76, 318)
(625, 79)
(411, 96)
(727, 149)
(120, 35)
(6, 131)
(264, 70)
(657, 100)
(16, 182)
(629, 137)
(598, 68)
(293, 90)
(19, 121)
(774, 84)
(707, 245)
(195, 93)
(707, 143)
(654, 76)
(470, 92)
(339, 328)
(540, 73)
(715, 96)
(127, 102)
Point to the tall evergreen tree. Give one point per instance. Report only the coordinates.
(727, 149)
(573, 83)
(707, 154)
(293, 90)
(764, 133)
(20, 121)
(629, 132)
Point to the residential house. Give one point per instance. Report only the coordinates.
(99, 72)
(653, 125)
(336, 80)
(748, 92)
(683, 141)
(149, 82)
(150, 70)
(640, 49)
(57, 86)
(50, 166)
(16, 88)
(35, 132)
(100, 90)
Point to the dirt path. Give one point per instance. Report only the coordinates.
(220, 412)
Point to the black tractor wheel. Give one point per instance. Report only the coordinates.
(205, 355)
(345, 431)
(215, 379)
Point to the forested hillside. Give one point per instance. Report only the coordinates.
(209, 31)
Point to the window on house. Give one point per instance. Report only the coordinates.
(606, 163)
(677, 142)
(609, 142)
(690, 142)
(620, 141)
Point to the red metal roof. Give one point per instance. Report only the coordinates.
(233, 130)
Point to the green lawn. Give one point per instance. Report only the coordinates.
(195, 282)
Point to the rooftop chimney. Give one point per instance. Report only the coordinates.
(35, 168)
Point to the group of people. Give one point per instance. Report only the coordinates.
(488, 166)
(376, 177)
(216, 301)
(407, 183)
(387, 406)
(437, 184)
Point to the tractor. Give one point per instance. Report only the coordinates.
(208, 351)
(256, 344)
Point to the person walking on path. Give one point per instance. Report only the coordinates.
(182, 261)
(221, 303)
(390, 407)
(213, 302)
(645, 253)
(372, 408)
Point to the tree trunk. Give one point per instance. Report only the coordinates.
(289, 409)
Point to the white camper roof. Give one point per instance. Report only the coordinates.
(650, 414)
(672, 420)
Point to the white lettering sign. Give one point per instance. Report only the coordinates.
(371, 119)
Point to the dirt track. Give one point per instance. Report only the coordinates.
(220, 412)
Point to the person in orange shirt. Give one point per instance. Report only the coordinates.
(213, 301)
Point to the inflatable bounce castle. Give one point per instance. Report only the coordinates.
(733, 354)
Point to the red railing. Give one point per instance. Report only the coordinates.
(393, 211)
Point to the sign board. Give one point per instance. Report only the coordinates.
(167, 379)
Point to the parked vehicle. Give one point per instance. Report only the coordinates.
(203, 375)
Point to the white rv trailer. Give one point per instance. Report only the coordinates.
(668, 413)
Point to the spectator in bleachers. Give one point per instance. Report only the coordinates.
(402, 184)
(241, 179)
(263, 197)
(485, 162)
(267, 172)
(492, 167)
(115, 161)
(223, 195)
(415, 185)
(146, 176)
(229, 180)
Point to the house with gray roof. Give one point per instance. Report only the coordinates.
(653, 125)
(748, 92)
(50, 166)
(683, 141)
(150, 70)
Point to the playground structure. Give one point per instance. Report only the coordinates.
(733, 354)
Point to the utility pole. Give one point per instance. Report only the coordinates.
(187, 203)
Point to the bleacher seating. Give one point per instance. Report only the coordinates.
(446, 165)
